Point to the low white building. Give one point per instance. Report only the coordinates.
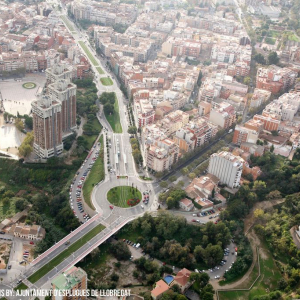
(186, 204)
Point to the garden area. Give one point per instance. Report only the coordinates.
(68, 24)
(124, 196)
(106, 81)
(111, 110)
(29, 85)
(100, 71)
(96, 175)
(89, 54)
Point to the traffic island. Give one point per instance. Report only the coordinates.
(106, 81)
(124, 196)
(29, 85)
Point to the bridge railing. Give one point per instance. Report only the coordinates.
(64, 240)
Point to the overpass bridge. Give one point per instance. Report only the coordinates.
(112, 223)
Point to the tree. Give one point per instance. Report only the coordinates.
(19, 124)
(273, 58)
(120, 250)
(132, 130)
(272, 148)
(184, 171)
(247, 80)
(192, 176)
(108, 109)
(273, 195)
(163, 184)
(259, 58)
(258, 213)
(20, 204)
(172, 178)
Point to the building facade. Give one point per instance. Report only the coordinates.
(47, 127)
(64, 91)
(227, 167)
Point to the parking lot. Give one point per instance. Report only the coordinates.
(76, 187)
(197, 217)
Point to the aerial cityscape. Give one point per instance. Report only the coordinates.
(150, 149)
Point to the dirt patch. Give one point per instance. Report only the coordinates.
(125, 272)
(5, 248)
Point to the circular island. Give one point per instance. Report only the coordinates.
(124, 196)
(29, 85)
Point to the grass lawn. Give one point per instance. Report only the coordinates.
(99, 69)
(88, 53)
(90, 139)
(68, 24)
(96, 175)
(106, 81)
(66, 253)
(8, 210)
(119, 195)
(270, 41)
(273, 33)
(114, 120)
(293, 37)
(21, 286)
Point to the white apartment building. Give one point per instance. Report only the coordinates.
(161, 156)
(227, 167)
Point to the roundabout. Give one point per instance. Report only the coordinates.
(29, 85)
(124, 196)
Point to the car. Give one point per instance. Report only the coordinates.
(164, 263)
(142, 206)
(111, 207)
(21, 262)
(9, 267)
(31, 243)
(133, 245)
(210, 217)
(2, 232)
(217, 277)
(20, 280)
